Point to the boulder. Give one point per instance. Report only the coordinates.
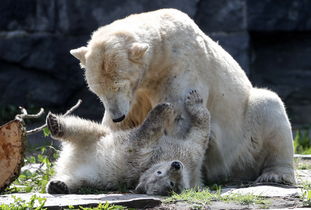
(221, 15)
(279, 15)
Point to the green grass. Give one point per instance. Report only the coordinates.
(301, 165)
(205, 196)
(37, 203)
(306, 200)
(35, 181)
(101, 206)
(306, 194)
(302, 142)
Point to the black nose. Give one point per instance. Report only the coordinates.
(176, 165)
(119, 119)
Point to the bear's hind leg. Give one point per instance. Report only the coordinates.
(271, 137)
(74, 129)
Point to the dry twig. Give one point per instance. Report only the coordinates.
(25, 115)
(36, 130)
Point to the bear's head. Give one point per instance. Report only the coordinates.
(114, 66)
(163, 179)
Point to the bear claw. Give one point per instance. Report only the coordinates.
(54, 125)
(275, 178)
(193, 98)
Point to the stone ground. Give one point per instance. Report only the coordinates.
(277, 196)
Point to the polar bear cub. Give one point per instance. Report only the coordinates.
(91, 156)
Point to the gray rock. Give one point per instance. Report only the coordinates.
(237, 45)
(46, 16)
(27, 88)
(83, 17)
(51, 54)
(281, 62)
(36, 36)
(59, 201)
(42, 52)
(79, 16)
(28, 15)
(303, 176)
(221, 15)
(17, 15)
(279, 15)
(265, 191)
(303, 157)
(14, 46)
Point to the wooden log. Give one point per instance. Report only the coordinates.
(12, 147)
(12, 144)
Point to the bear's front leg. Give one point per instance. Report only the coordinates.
(159, 118)
(199, 117)
(174, 90)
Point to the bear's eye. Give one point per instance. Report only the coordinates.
(159, 172)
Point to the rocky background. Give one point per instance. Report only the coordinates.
(271, 40)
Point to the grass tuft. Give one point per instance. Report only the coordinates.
(206, 196)
(35, 180)
(302, 142)
(35, 203)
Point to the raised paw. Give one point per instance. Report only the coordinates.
(163, 111)
(193, 98)
(57, 187)
(54, 125)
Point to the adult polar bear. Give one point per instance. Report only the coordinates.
(137, 62)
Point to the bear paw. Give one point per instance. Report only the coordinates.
(163, 111)
(57, 187)
(273, 177)
(193, 98)
(54, 125)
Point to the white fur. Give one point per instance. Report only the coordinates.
(91, 156)
(251, 132)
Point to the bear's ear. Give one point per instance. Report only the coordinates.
(137, 51)
(79, 53)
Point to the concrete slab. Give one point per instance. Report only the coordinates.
(59, 201)
(266, 191)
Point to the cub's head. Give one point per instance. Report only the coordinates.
(163, 179)
(114, 66)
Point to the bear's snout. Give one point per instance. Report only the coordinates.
(118, 119)
(176, 165)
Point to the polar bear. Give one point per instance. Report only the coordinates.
(137, 62)
(93, 157)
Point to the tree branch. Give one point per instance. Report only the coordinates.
(36, 130)
(25, 115)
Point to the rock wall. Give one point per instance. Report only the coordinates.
(270, 39)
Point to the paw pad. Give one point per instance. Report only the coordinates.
(57, 187)
(54, 125)
(193, 97)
